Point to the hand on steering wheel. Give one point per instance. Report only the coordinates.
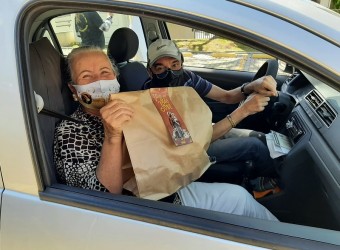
(259, 85)
(269, 68)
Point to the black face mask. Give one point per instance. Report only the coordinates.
(169, 78)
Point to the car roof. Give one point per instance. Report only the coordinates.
(304, 13)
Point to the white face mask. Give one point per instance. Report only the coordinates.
(96, 94)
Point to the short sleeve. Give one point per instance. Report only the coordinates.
(201, 85)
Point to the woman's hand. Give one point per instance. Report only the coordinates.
(114, 114)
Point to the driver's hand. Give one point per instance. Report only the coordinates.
(254, 103)
(265, 85)
(114, 114)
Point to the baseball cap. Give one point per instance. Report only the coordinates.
(161, 48)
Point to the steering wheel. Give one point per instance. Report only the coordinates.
(270, 67)
(278, 107)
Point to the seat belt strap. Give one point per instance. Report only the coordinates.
(39, 101)
(52, 113)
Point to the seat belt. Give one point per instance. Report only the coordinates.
(54, 114)
(41, 110)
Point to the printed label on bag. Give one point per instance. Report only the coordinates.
(171, 118)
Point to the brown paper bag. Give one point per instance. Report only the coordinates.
(161, 167)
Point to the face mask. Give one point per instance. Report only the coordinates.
(169, 78)
(96, 94)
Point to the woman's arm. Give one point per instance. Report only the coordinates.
(109, 170)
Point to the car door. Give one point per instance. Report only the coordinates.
(38, 212)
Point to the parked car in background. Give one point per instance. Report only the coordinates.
(226, 42)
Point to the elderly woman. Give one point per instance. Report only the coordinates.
(88, 154)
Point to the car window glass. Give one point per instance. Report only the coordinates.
(206, 50)
(69, 36)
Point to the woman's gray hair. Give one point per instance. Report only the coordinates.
(88, 49)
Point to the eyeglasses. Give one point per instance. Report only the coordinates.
(159, 68)
(162, 71)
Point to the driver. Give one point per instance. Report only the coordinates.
(165, 67)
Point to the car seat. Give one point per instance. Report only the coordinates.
(122, 47)
(47, 75)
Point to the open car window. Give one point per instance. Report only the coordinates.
(207, 50)
(69, 36)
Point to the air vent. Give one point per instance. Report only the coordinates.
(314, 99)
(326, 114)
(321, 107)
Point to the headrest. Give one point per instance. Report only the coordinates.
(123, 45)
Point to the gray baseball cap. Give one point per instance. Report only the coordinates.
(161, 48)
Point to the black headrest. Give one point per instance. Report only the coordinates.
(123, 45)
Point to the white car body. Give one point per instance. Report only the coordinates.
(32, 220)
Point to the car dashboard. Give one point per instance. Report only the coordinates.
(310, 172)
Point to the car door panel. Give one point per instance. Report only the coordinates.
(42, 224)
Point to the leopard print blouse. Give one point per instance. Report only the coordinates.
(77, 148)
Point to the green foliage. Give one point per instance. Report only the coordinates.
(335, 4)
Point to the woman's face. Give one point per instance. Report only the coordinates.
(91, 67)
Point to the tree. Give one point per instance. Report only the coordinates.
(335, 4)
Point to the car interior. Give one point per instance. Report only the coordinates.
(122, 47)
(306, 111)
